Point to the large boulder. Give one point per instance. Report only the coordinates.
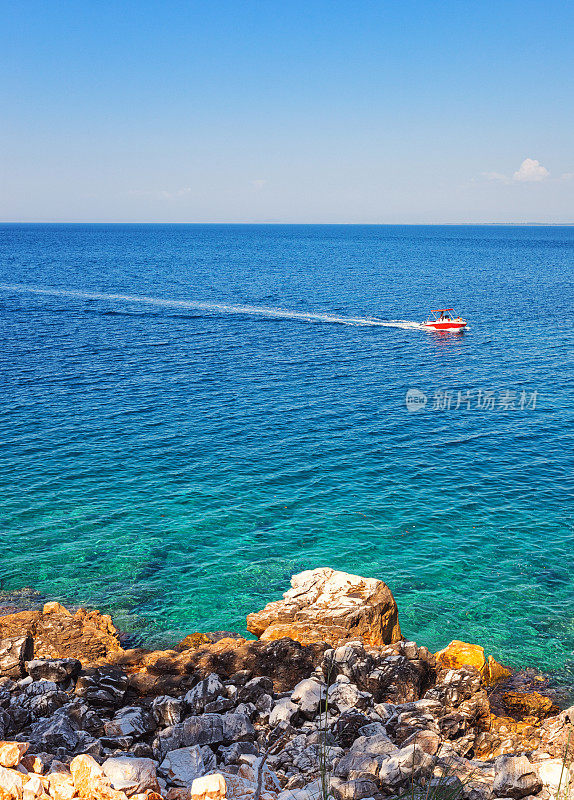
(58, 670)
(324, 605)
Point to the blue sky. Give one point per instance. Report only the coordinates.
(263, 111)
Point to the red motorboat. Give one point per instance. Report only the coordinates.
(443, 319)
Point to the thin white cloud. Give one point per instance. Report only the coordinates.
(495, 176)
(176, 193)
(530, 170)
(259, 183)
(163, 194)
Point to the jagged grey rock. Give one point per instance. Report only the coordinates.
(248, 709)
(219, 706)
(104, 687)
(359, 762)
(130, 721)
(372, 729)
(84, 718)
(357, 789)
(167, 710)
(206, 729)
(344, 695)
(205, 692)
(405, 765)
(88, 744)
(5, 723)
(56, 731)
(377, 745)
(182, 766)
(233, 753)
(254, 688)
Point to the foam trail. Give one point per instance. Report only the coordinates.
(275, 313)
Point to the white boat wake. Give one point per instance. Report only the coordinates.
(193, 305)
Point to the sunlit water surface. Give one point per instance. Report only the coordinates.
(191, 414)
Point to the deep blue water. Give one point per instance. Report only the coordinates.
(175, 464)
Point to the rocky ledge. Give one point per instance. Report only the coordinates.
(329, 701)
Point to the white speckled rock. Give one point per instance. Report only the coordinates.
(309, 694)
(131, 775)
(285, 710)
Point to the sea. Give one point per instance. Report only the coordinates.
(193, 413)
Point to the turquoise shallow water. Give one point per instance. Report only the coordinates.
(174, 464)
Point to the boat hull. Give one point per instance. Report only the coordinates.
(450, 325)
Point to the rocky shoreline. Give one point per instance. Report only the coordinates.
(330, 700)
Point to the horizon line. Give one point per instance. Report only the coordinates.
(277, 222)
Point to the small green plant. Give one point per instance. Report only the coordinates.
(439, 781)
(564, 780)
(324, 761)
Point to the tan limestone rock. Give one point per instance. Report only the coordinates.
(34, 789)
(86, 635)
(496, 672)
(208, 787)
(11, 753)
(11, 784)
(59, 784)
(90, 781)
(324, 605)
(55, 608)
(194, 640)
(131, 775)
(462, 654)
